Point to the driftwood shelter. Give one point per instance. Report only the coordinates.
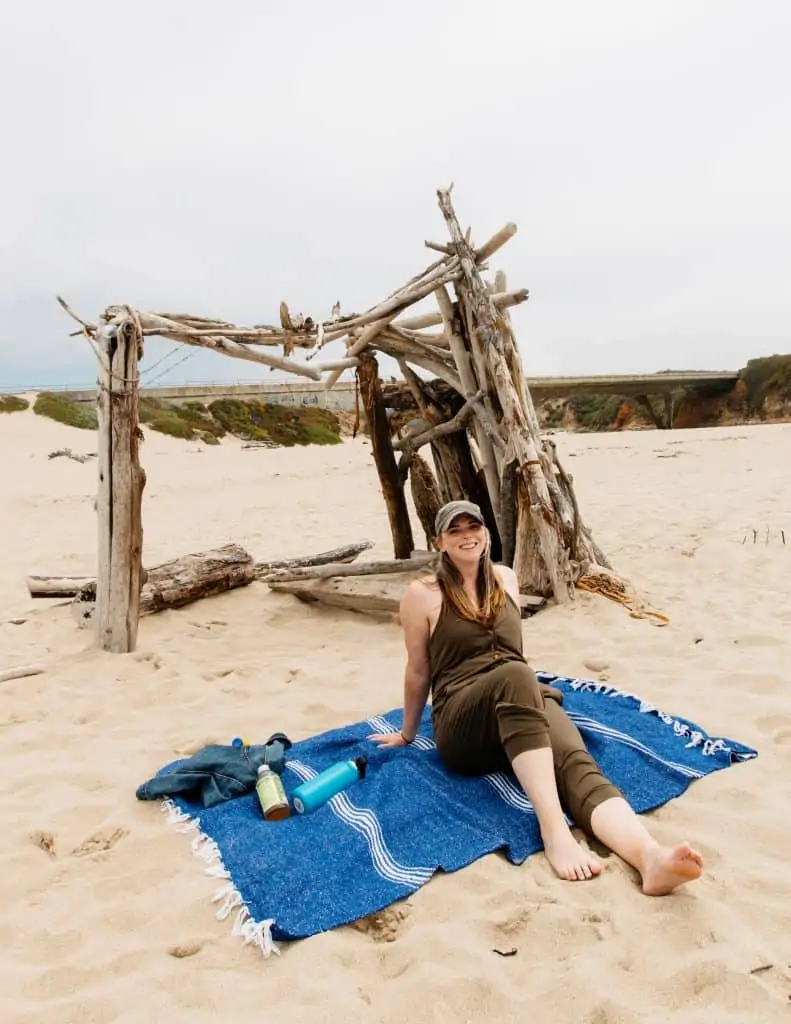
(474, 414)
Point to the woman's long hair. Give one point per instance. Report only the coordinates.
(491, 595)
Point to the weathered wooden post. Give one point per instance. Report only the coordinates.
(121, 482)
(425, 495)
(390, 479)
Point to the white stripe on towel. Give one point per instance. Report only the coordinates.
(365, 822)
(507, 790)
(381, 725)
(621, 737)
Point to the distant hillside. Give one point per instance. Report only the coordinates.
(250, 420)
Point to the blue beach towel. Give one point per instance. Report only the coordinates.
(384, 838)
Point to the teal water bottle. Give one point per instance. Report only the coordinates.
(317, 791)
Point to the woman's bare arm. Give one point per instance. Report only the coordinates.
(415, 623)
(508, 580)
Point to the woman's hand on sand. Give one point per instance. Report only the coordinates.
(388, 739)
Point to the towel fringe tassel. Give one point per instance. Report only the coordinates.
(252, 933)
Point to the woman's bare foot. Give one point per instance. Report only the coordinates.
(569, 860)
(665, 868)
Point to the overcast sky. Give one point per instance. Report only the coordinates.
(216, 159)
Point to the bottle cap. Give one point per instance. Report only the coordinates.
(361, 763)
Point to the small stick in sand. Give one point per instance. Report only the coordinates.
(20, 673)
(69, 454)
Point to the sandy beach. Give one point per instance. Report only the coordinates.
(98, 893)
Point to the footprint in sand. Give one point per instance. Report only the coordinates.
(186, 949)
(517, 920)
(607, 1011)
(44, 841)
(760, 640)
(317, 710)
(776, 726)
(149, 656)
(601, 923)
(765, 685)
(13, 719)
(100, 842)
(383, 926)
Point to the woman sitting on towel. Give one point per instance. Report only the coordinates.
(463, 635)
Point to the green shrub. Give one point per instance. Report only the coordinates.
(554, 412)
(765, 376)
(595, 412)
(63, 409)
(199, 418)
(161, 417)
(252, 420)
(172, 426)
(281, 425)
(13, 403)
(187, 422)
(149, 409)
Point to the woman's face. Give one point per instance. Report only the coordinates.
(464, 541)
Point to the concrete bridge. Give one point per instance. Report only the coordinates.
(639, 386)
(633, 385)
(341, 397)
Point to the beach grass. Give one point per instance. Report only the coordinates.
(63, 409)
(189, 422)
(280, 425)
(13, 403)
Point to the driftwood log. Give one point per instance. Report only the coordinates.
(208, 573)
(181, 581)
(70, 586)
(344, 554)
(57, 586)
(326, 572)
(333, 594)
(390, 480)
(425, 495)
(372, 595)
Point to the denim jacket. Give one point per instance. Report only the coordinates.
(216, 773)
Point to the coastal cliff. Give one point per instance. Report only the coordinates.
(762, 394)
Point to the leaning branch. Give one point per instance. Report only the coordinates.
(496, 242)
(152, 323)
(504, 300)
(415, 441)
(325, 572)
(344, 554)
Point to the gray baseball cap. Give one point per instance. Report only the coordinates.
(452, 511)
